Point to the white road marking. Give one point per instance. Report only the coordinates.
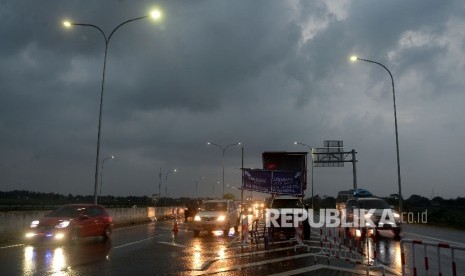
(174, 244)
(207, 263)
(10, 246)
(131, 243)
(260, 263)
(436, 239)
(317, 267)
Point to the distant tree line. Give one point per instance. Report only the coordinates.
(28, 200)
(441, 212)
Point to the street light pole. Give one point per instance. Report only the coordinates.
(166, 179)
(213, 188)
(101, 173)
(159, 186)
(311, 152)
(68, 24)
(223, 150)
(355, 58)
(196, 184)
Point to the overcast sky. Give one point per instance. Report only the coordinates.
(264, 73)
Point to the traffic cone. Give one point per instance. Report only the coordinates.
(175, 227)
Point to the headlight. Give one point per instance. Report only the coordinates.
(59, 236)
(396, 215)
(221, 218)
(197, 218)
(62, 224)
(34, 224)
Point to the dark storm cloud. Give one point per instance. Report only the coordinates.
(264, 73)
(379, 26)
(199, 60)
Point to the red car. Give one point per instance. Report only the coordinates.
(71, 222)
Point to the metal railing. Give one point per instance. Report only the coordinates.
(437, 248)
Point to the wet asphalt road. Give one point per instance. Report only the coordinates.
(153, 249)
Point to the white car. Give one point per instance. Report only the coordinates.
(379, 215)
(220, 214)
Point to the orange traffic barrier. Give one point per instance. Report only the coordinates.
(175, 227)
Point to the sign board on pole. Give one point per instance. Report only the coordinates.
(333, 144)
(328, 157)
(332, 155)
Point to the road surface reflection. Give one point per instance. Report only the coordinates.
(60, 259)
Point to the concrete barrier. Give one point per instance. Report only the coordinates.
(122, 216)
(13, 223)
(134, 215)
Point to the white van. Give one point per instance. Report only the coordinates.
(219, 214)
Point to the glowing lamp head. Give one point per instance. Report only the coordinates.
(155, 14)
(67, 24)
(353, 58)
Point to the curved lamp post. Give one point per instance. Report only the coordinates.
(223, 150)
(311, 152)
(355, 58)
(101, 172)
(156, 14)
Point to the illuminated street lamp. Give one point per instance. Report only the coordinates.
(355, 58)
(223, 150)
(101, 172)
(156, 15)
(311, 152)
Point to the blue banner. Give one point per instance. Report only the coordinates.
(273, 182)
(256, 180)
(286, 183)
